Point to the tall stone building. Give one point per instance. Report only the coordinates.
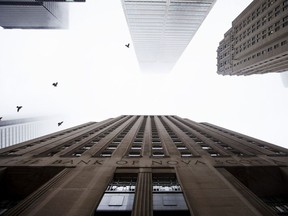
(161, 30)
(144, 165)
(34, 14)
(257, 43)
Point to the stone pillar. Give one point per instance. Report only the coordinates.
(143, 197)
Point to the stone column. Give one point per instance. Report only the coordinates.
(143, 197)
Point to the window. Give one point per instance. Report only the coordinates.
(285, 5)
(134, 153)
(214, 154)
(276, 46)
(156, 146)
(270, 14)
(264, 19)
(277, 26)
(285, 21)
(206, 147)
(158, 153)
(168, 198)
(106, 153)
(119, 196)
(277, 11)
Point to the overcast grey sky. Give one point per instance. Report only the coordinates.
(99, 77)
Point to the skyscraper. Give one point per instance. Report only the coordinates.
(161, 30)
(20, 130)
(257, 43)
(34, 14)
(144, 165)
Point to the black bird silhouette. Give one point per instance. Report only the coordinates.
(55, 84)
(60, 123)
(1, 118)
(18, 108)
(127, 45)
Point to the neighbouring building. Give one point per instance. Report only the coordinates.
(161, 30)
(34, 14)
(144, 165)
(257, 43)
(20, 130)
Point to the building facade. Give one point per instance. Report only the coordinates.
(161, 30)
(34, 14)
(144, 165)
(257, 43)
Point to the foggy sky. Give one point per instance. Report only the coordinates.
(99, 77)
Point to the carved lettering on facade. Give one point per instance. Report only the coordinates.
(100, 162)
(252, 161)
(186, 162)
(85, 162)
(156, 162)
(122, 162)
(172, 162)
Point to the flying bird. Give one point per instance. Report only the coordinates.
(55, 84)
(1, 118)
(127, 45)
(60, 123)
(18, 108)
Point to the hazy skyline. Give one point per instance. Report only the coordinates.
(98, 77)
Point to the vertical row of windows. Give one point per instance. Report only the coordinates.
(138, 142)
(157, 147)
(112, 146)
(182, 148)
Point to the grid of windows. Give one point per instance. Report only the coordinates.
(182, 148)
(213, 152)
(256, 36)
(74, 145)
(161, 30)
(112, 146)
(78, 140)
(223, 146)
(17, 151)
(250, 141)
